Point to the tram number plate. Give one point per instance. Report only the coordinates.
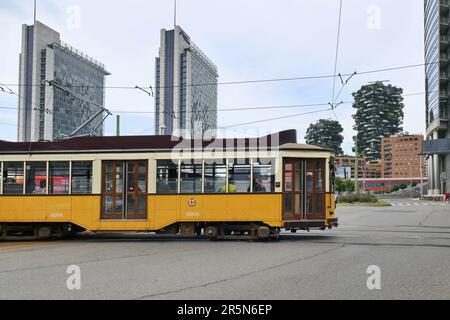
(192, 214)
(56, 215)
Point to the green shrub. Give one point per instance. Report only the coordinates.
(353, 198)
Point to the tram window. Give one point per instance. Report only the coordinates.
(264, 176)
(13, 178)
(309, 203)
(191, 178)
(215, 177)
(137, 172)
(309, 181)
(239, 176)
(319, 181)
(81, 177)
(166, 177)
(319, 204)
(288, 208)
(36, 178)
(58, 178)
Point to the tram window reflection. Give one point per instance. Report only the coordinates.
(58, 178)
(191, 178)
(215, 177)
(239, 171)
(82, 177)
(13, 178)
(264, 176)
(36, 178)
(167, 177)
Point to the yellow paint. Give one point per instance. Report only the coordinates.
(80, 210)
(163, 210)
(331, 207)
(214, 208)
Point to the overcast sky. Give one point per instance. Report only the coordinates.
(247, 40)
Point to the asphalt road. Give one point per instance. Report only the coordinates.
(409, 242)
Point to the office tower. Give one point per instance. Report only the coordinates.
(50, 112)
(186, 88)
(437, 146)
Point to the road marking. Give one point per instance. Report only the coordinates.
(21, 245)
(416, 204)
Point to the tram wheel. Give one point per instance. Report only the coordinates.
(263, 232)
(211, 232)
(43, 232)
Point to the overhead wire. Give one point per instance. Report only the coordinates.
(248, 81)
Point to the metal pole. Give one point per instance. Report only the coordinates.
(356, 164)
(175, 15)
(421, 178)
(118, 125)
(35, 8)
(410, 177)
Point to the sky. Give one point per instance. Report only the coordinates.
(247, 40)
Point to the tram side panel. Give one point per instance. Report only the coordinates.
(80, 210)
(215, 208)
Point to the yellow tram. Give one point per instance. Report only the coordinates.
(224, 188)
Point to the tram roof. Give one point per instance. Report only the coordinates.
(284, 140)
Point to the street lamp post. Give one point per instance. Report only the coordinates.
(411, 179)
(356, 165)
(421, 178)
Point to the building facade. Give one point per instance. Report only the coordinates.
(437, 69)
(402, 156)
(373, 170)
(346, 164)
(50, 112)
(186, 88)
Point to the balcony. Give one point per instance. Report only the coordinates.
(443, 115)
(437, 122)
(441, 146)
(444, 77)
(444, 6)
(444, 41)
(444, 24)
(443, 58)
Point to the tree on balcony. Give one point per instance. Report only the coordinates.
(326, 133)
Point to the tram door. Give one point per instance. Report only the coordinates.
(304, 189)
(124, 190)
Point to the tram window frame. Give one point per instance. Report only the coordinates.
(33, 168)
(52, 169)
(263, 163)
(84, 180)
(19, 168)
(170, 174)
(188, 184)
(242, 164)
(215, 172)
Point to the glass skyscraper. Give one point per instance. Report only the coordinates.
(48, 113)
(186, 88)
(437, 69)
